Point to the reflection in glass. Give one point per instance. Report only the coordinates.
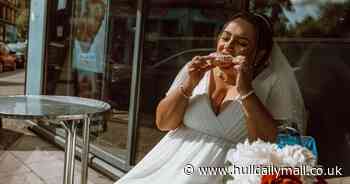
(13, 45)
(89, 32)
(314, 35)
(117, 82)
(78, 62)
(13, 34)
(174, 33)
(306, 18)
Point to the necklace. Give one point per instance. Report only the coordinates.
(220, 74)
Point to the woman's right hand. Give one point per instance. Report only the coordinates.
(197, 68)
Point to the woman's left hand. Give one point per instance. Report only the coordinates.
(245, 72)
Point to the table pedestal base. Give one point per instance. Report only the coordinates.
(69, 157)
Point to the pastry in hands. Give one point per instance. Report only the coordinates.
(220, 59)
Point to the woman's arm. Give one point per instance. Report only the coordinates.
(171, 109)
(260, 122)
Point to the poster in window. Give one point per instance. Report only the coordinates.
(89, 36)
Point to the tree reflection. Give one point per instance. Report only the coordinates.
(333, 19)
(275, 9)
(315, 46)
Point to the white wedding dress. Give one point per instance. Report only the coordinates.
(205, 137)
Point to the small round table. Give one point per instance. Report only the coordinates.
(67, 111)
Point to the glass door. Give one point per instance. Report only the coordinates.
(175, 32)
(89, 54)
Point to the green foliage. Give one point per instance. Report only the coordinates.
(22, 24)
(332, 22)
(333, 19)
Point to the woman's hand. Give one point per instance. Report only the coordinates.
(171, 109)
(245, 72)
(197, 68)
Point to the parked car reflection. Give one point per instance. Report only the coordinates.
(155, 79)
(7, 60)
(18, 49)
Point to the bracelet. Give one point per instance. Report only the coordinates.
(182, 90)
(243, 97)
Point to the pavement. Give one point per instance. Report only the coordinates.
(12, 82)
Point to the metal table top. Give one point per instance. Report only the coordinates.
(50, 107)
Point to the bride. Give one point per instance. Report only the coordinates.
(242, 91)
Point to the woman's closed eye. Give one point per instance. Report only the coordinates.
(225, 37)
(243, 43)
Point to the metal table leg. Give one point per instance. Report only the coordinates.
(69, 159)
(85, 151)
